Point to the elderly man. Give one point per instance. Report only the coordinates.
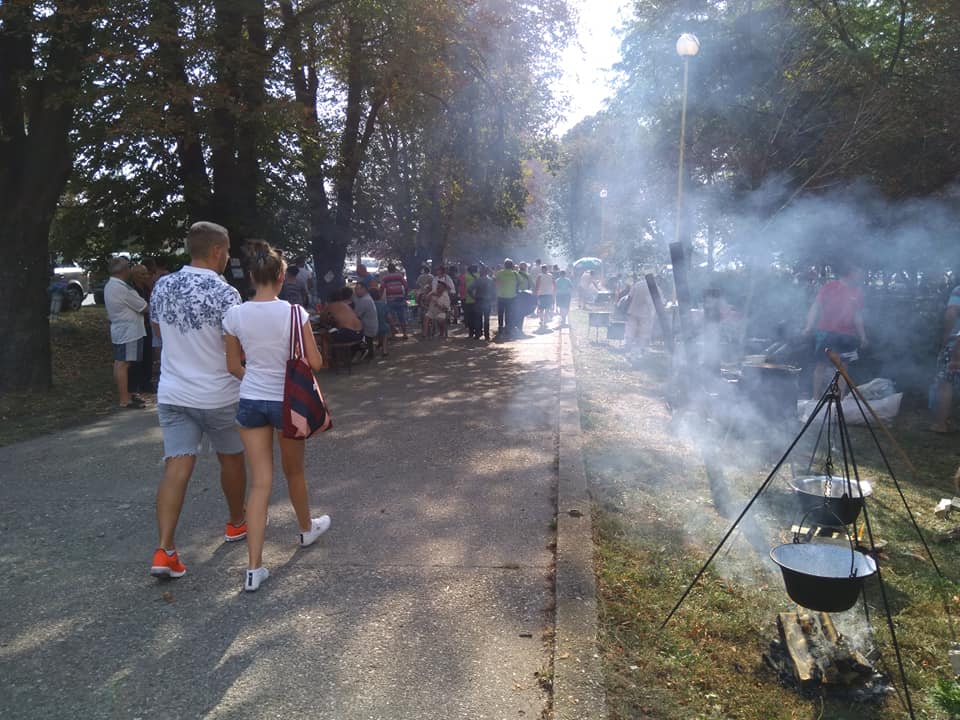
(125, 309)
(197, 395)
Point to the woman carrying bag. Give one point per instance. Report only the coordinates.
(259, 337)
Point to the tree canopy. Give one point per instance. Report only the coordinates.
(319, 125)
(814, 128)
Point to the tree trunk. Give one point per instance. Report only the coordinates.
(237, 120)
(36, 113)
(192, 168)
(24, 277)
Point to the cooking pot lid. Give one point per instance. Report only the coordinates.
(822, 560)
(817, 485)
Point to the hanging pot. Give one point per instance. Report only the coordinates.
(829, 503)
(822, 576)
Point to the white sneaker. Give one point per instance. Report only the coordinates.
(318, 526)
(254, 578)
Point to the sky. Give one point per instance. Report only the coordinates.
(588, 60)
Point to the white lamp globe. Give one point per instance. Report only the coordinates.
(688, 45)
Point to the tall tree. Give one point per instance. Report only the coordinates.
(44, 65)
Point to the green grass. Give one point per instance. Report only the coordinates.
(82, 380)
(656, 521)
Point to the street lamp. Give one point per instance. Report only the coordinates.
(603, 197)
(687, 47)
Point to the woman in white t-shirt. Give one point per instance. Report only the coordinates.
(258, 332)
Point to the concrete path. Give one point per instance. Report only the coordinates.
(430, 597)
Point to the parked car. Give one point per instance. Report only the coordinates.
(76, 281)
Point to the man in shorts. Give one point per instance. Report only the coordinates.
(196, 394)
(125, 310)
(545, 289)
(837, 317)
(394, 286)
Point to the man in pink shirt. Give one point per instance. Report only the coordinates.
(837, 317)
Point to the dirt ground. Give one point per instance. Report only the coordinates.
(668, 482)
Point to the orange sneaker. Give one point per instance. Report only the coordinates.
(235, 532)
(168, 566)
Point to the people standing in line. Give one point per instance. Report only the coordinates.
(363, 275)
(837, 317)
(471, 310)
(383, 320)
(258, 342)
(394, 286)
(293, 290)
(141, 373)
(948, 364)
(507, 282)
(424, 288)
(525, 302)
(564, 290)
(485, 294)
(366, 310)
(453, 274)
(305, 280)
(158, 268)
(545, 289)
(125, 310)
(197, 395)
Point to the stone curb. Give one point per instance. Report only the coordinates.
(578, 690)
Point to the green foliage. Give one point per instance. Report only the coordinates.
(947, 696)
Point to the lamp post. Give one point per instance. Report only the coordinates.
(687, 47)
(603, 201)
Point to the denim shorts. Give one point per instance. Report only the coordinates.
(260, 413)
(183, 429)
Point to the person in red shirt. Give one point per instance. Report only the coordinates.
(394, 288)
(837, 317)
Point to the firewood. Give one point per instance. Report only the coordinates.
(805, 668)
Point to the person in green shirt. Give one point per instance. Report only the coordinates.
(507, 281)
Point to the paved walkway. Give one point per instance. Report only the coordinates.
(430, 597)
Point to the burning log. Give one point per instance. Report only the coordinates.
(816, 656)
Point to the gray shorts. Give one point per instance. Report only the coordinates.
(183, 429)
(128, 352)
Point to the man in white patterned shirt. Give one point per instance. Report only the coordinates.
(196, 394)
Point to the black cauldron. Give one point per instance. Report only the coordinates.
(841, 503)
(823, 576)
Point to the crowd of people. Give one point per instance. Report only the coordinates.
(222, 362)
